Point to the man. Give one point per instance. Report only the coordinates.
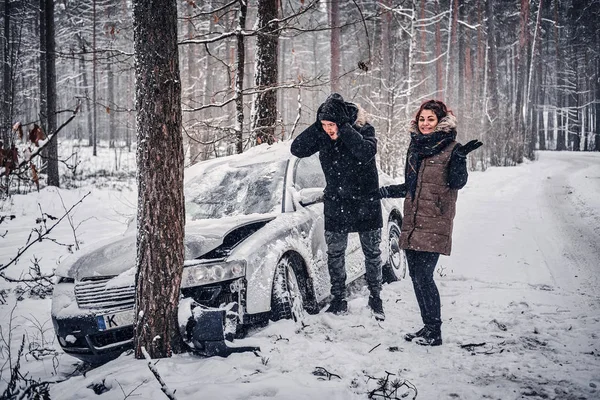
(347, 147)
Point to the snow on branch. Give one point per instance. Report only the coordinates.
(292, 85)
(163, 386)
(279, 21)
(204, 13)
(474, 27)
(36, 136)
(37, 235)
(430, 61)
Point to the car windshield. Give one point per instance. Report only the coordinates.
(231, 189)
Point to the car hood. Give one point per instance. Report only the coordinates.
(116, 256)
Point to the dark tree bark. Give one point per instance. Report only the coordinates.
(597, 107)
(464, 54)
(533, 85)
(439, 64)
(94, 85)
(84, 80)
(6, 77)
(334, 22)
(498, 136)
(574, 102)
(239, 79)
(560, 82)
(112, 126)
(52, 148)
(43, 75)
(161, 218)
(265, 103)
(521, 89)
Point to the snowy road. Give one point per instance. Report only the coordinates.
(538, 223)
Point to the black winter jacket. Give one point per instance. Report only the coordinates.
(351, 198)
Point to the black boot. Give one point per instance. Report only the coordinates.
(410, 336)
(431, 337)
(337, 306)
(376, 306)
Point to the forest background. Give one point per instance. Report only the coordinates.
(520, 75)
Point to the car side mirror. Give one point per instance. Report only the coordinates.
(311, 196)
(308, 196)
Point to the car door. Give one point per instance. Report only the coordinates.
(308, 181)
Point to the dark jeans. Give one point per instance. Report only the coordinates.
(421, 266)
(336, 260)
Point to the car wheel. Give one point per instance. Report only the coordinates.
(286, 298)
(395, 267)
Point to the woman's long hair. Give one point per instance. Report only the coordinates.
(436, 106)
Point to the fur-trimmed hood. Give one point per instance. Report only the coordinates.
(447, 124)
(361, 116)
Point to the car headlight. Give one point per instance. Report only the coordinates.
(201, 274)
(64, 279)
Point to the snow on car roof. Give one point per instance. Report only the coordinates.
(259, 154)
(241, 184)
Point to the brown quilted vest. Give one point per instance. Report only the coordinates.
(427, 223)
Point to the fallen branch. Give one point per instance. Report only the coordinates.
(163, 386)
(320, 371)
(375, 347)
(470, 346)
(389, 390)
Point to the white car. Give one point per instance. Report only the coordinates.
(255, 250)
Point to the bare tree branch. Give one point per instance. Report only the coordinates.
(40, 235)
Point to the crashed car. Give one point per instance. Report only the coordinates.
(254, 251)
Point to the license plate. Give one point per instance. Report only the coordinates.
(116, 320)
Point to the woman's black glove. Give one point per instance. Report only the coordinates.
(394, 191)
(469, 147)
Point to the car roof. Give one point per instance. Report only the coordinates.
(260, 154)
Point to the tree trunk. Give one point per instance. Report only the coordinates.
(410, 61)
(43, 75)
(574, 102)
(597, 106)
(6, 78)
(386, 86)
(532, 98)
(239, 78)
(439, 64)
(112, 126)
(52, 147)
(161, 218)
(94, 84)
(43, 83)
(464, 58)
(84, 81)
(336, 32)
(521, 105)
(560, 83)
(495, 135)
(264, 116)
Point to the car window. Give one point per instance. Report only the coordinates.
(236, 189)
(308, 173)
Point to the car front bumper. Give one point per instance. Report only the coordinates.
(207, 333)
(80, 337)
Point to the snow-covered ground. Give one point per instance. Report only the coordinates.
(520, 305)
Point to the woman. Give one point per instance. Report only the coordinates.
(436, 169)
